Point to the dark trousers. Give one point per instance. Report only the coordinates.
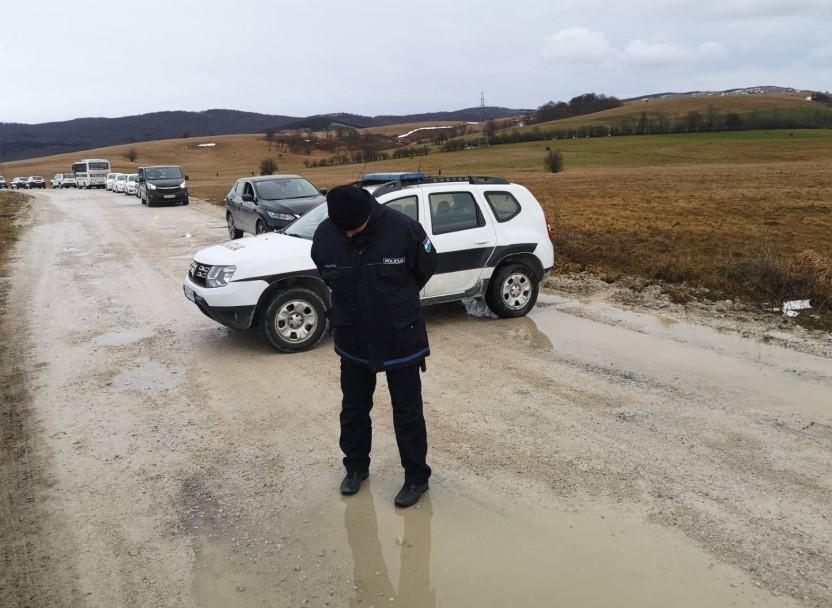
(358, 385)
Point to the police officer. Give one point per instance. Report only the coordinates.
(376, 261)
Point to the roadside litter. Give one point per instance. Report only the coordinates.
(476, 307)
(792, 308)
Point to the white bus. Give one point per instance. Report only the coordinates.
(91, 172)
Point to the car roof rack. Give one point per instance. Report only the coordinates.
(392, 186)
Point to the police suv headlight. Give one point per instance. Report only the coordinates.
(151, 186)
(219, 276)
(183, 185)
(280, 216)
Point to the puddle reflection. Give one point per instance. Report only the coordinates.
(372, 579)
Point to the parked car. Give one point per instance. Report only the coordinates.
(36, 181)
(163, 184)
(109, 181)
(56, 180)
(3, 183)
(68, 180)
(19, 183)
(491, 235)
(131, 185)
(120, 182)
(268, 203)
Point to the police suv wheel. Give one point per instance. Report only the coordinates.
(294, 320)
(260, 227)
(512, 291)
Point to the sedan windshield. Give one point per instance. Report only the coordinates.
(282, 189)
(305, 226)
(163, 173)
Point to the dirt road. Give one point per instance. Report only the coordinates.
(583, 456)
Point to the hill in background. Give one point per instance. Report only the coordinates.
(20, 141)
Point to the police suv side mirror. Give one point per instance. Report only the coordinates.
(323, 191)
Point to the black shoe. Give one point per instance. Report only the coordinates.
(352, 482)
(410, 493)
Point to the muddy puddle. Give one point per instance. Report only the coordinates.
(456, 550)
(647, 346)
(124, 337)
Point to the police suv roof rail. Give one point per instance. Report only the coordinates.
(392, 186)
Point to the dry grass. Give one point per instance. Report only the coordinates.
(12, 204)
(726, 211)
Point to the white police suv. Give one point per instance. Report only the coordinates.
(492, 238)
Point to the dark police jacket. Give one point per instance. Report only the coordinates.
(375, 278)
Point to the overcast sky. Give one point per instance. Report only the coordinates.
(62, 60)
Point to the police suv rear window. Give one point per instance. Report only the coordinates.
(454, 211)
(503, 204)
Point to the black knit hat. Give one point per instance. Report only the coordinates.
(349, 206)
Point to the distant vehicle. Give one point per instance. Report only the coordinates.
(162, 184)
(491, 235)
(109, 181)
(63, 180)
(19, 183)
(264, 204)
(91, 172)
(120, 182)
(36, 181)
(131, 186)
(3, 183)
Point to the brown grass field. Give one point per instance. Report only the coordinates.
(743, 214)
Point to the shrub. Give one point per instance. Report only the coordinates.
(553, 161)
(131, 155)
(267, 166)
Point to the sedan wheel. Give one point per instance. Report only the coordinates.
(260, 228)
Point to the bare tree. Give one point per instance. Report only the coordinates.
(270, 136)
(131, 155)
(711, 118)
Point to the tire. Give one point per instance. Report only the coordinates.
(233, 233)
(294, 320)
(260, 227)
(512, 291)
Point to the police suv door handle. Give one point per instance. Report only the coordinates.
(485, 242)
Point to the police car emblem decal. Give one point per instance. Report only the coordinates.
(393, 261)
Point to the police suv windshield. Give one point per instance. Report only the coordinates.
(305, 226)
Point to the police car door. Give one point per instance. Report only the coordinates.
(463, 238)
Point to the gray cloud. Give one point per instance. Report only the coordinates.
(107, 59)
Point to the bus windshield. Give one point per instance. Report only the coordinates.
(79, 167)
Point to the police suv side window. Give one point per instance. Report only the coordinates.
(408, 206)
(454, 211)
(503, 204)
